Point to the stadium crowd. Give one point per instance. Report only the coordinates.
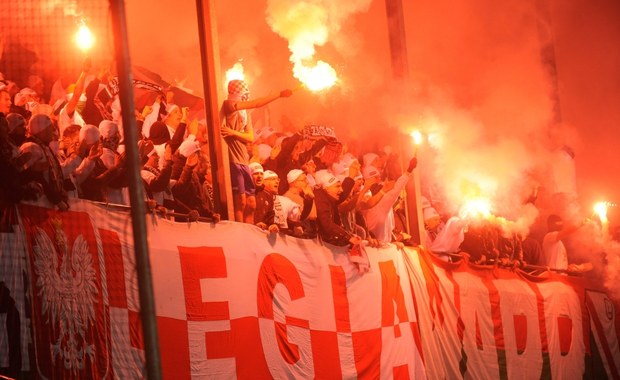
(68, 142)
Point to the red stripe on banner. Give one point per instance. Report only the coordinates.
(198, 263)
(542, 322)
(565, 333)
(432, 287)
(292, 321)
(397, 332)
(392, 293)
(325, 355)
(478, 335)
(288, 350)
(367, 349)
(498, 331)
(600, 331)
(496, 313)
(114, 268)
(520, 323)
(276, 269)
(577, 286)
(174, 348)
(415, 330)
(460, 325)
(401, 372)
(341, 300)
(542, 330)
(135, 330)
(242, 342)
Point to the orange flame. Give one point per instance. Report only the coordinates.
(477, 207)
(235, 72)
(317, 77)
(416, 136)
(84, 38)
(600, 209)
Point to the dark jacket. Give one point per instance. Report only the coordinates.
(331, 229)
(264, 208)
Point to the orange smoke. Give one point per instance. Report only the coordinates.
(307, 25)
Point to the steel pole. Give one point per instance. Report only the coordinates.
(136, 192)
(218, 152)
(400, 71)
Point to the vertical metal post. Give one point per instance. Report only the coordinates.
(136, 192)
(400, 70)
(218, 152)
(547, 55)
(398, 40)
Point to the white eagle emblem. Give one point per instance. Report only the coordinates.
(68, 294)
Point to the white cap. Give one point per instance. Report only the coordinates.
(39, 123)
(22, 95)
(430, 213)
(264, 151)
(265, 132)
(325, 179)
(269, 174)
(370, 171)
(256, 167)
(89, 134)
(37, 155)
(293, 175)
(108, 128)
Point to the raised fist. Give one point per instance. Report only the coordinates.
(412, 164)
(286, 93)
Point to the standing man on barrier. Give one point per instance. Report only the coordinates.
(237, 131)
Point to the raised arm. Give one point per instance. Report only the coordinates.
(79, 88)
(259, 102)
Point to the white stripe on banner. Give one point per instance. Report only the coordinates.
(235, 302)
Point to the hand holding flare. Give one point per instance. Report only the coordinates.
(84, 38)
(417, 140)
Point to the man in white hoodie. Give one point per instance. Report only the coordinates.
(380, 217)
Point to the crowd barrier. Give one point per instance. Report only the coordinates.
(235, 302)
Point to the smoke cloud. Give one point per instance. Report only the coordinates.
(479, 84)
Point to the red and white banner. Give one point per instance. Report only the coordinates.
(234, 302)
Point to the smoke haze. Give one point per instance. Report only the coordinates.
(479, 87)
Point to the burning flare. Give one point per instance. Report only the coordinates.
(317, 77)
(477, 207)
(600, 209)
(235, 72)
(417, 137)
(84, 38)
(307, 25)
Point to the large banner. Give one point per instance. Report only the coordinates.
(235, 302)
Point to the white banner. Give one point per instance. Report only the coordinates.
(235, 302)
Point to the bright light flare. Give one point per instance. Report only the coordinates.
(84, 38)
(235, 72)
(600, 209)
(417, 137)
(474, 208)
(317, 78)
